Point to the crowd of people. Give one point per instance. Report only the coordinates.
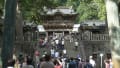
(47, 61)
(57, 58)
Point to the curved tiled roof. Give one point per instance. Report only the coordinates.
(61, 10)
(93, 22)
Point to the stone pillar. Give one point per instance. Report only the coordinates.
(82, 51)
(53, 33)
(63, 33)
(46, 34)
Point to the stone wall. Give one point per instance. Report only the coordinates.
(93, 43)
(96, 47)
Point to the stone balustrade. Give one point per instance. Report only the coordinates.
(94, 37)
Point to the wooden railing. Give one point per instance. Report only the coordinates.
(94, 37)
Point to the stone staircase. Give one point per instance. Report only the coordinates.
(71, 49)
(44, 49)
(71, 52)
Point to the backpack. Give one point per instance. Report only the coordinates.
(88, 66)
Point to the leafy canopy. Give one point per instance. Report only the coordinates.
(87, 9)
(1, 7)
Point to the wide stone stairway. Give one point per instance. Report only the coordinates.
(69, 46)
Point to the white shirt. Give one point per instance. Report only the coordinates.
(10, 67)
(56, 54)
(52, 51)
(64, 51)
(14, 57)
(56, 41)
(62, 42)
(76, 43)
(92, 62)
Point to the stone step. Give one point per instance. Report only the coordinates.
(71, 49)
(68, 46)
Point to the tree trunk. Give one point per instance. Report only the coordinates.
(19, 30)
(8, 31)
(114, 31)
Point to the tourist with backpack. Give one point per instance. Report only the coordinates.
(72, 63)
(88, 65)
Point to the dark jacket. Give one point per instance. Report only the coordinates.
(72, 64)
(88, 65)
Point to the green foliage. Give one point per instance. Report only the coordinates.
(91, 9)
(59, 2)
(31, 8)
(1, 7)
(87, 9)
(1, 4)
(101, 9)
(73, 3)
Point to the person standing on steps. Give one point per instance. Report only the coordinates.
(72, 63)
(76, 45)
(47, 63)
(88, 65)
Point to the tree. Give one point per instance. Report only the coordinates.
(87, 10)
(8, 31)
(91, 9)
(114, 30)
(59, 2)
(101, 9)
(1, 7)
(31, 9)
(19, 30)
(73, 3)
